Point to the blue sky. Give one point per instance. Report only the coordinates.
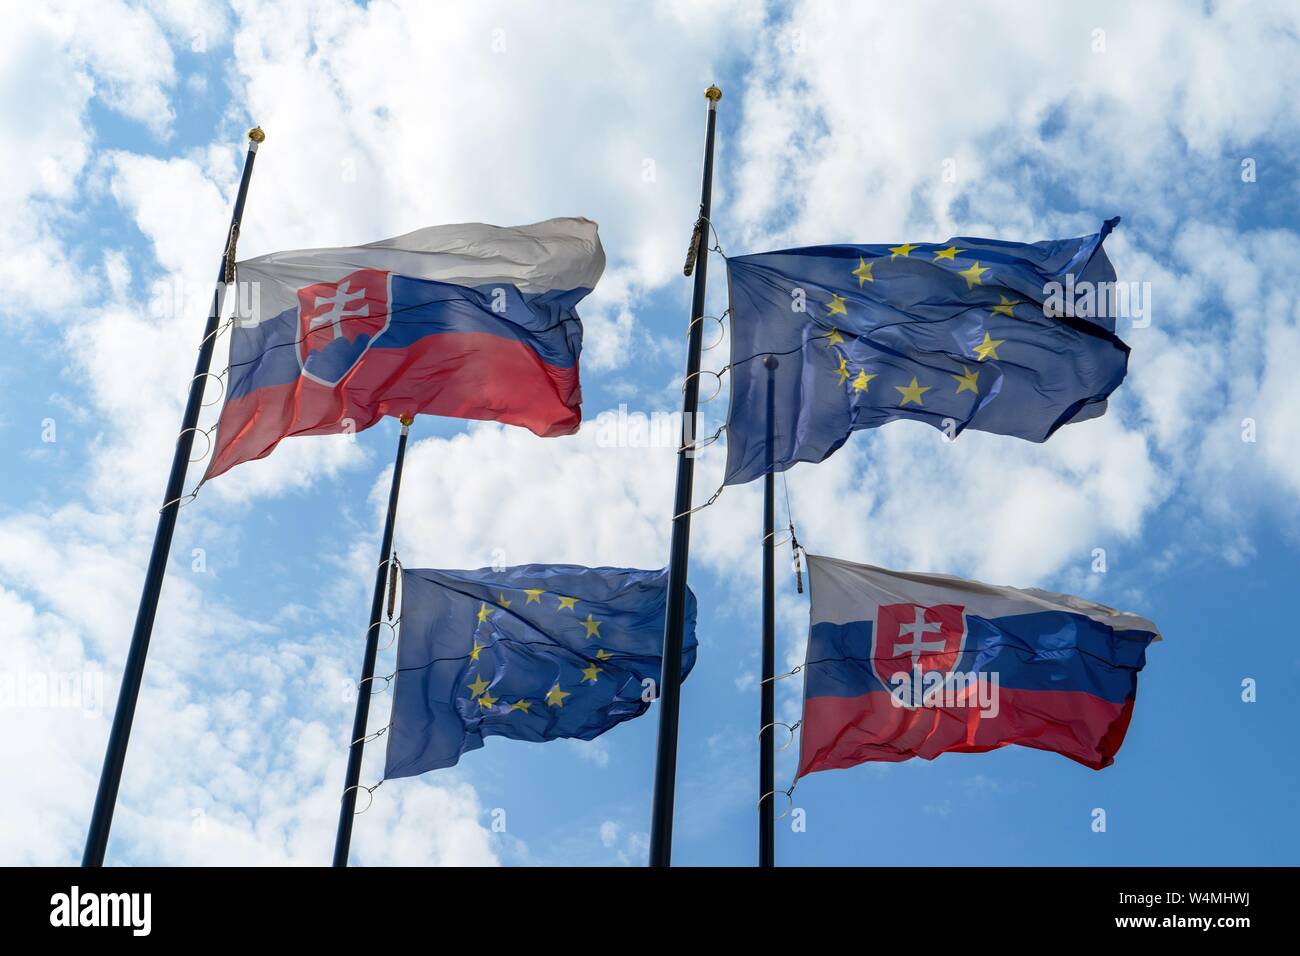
(870, 124)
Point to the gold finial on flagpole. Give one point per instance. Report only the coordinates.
(406, 420)
(713, 94)
(256, 134)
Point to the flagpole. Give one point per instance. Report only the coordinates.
(767, 705)
(110, 777)
(661, 823)
(347, 809)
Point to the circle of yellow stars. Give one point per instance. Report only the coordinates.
(480, 689)
(913, 393)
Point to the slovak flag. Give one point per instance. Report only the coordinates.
(905, 665)
(464, 321)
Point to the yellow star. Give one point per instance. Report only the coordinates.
(862, 381)
(593, 627)
(482, 612)
(863, 272)
(501, 599)
(487, 701)
(1005, 306)
(555, 696)
(478, 687)
(988, 348)
(904, 250)
(589, 673)
(566, 602)
(843, 370)
(534, 595)
(973, 275)
(913, 392)
(837, 306)
(473, 654)
(949, 254)
(967, 381)
(833, 337)
(520, 704)
(603, 655)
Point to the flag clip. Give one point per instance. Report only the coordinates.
(797, 552)
(394, 566)
(694, 249)
(231, 242)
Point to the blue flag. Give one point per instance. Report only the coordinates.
(1004, 337)
(536, 652)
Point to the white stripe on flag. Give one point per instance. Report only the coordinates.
(558, 254)
(842, 592)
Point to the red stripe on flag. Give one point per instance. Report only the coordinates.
(845, 731)
(456, 374)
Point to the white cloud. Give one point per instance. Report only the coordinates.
(498, 495)
(593, 751)
(196, 26)
(631, 847)
(125, 52)
(609, 322)
(608, 833)
(43, 131)
(844, 133)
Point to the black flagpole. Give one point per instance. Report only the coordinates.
(110, 777)
(661, 823)
(347, 810)
(767, 706)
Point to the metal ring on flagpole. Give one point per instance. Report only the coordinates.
(788, 794)
(392, 625)
(705, 371)
(785, 531)
(220, 381)
(722, 330)
(717, 243)
(206, 437)
(789, 727)
(370, 794)
(388, 682)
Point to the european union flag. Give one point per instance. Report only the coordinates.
(1004, 337)
(536, 652)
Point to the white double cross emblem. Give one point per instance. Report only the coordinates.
(340, 308)
(919, 645)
